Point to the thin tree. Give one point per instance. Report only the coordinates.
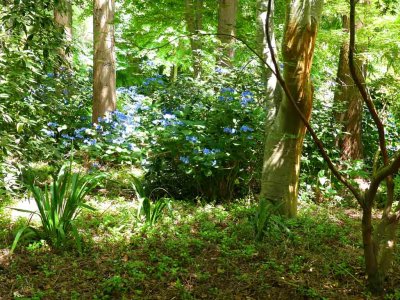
(104, 74)
(349, 103)
(63, 20)
(194, 23)
(227, 14)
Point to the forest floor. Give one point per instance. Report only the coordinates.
(196, 251)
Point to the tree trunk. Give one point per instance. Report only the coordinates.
(350, 104)
(194, 22)
(63, 19)
(273, 92)
(375, 280)
(284, 143)
(104, 75)
(227, 11)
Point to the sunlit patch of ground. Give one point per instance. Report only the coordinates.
(19, 209)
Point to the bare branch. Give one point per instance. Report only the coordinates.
(363, 91)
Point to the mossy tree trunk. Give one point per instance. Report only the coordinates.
(104, 74)
(284, 142)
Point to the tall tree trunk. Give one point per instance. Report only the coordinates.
(273, 93)
(349, 102)
(227, 12)
(194, 22)
(104, 74)
(284, 143)
(63, 19)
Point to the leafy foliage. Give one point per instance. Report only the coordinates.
(58, 206)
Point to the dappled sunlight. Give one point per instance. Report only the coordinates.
(27, 204)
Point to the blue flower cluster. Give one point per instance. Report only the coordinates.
(157, 79)
(244, 128)
(247, 97)
(168, 119)
(191, 139)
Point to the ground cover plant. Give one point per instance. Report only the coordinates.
(199, 149)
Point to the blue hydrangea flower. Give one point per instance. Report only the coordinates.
(99, 127)
(120, 115)
(227, 90)
(192, 139)
(169, 116)
(49, 133)
(165, 123)
(184, 159)
(67, 137)
(206, 151)
(220, 70)
(229, 130)
(247, 97)
(52, 124)
(246, 128)
(90, 142)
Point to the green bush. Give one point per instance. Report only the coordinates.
(204, 139)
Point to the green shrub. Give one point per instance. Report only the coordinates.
(204, 139)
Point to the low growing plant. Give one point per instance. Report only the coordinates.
(58, 206)
(151, 212)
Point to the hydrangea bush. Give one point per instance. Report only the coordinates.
(192, 139)
(204, 138)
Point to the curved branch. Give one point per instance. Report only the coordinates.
(363, 91)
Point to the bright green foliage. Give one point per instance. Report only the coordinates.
(58, 207)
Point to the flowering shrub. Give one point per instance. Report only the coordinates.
(114, 139)
(202, 140)
(191, 139)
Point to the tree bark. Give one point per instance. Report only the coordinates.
(63, 20)
(194, 22)
(349, 102)
(284, 143)
(273, 92)
(227, 12)
(104, 74)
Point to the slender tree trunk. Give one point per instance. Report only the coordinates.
(194, 21)
(284, 143)
(104, 74)
(349, 101)
(63, 19)
(227, 12)
(173, 75)
(273, 92)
